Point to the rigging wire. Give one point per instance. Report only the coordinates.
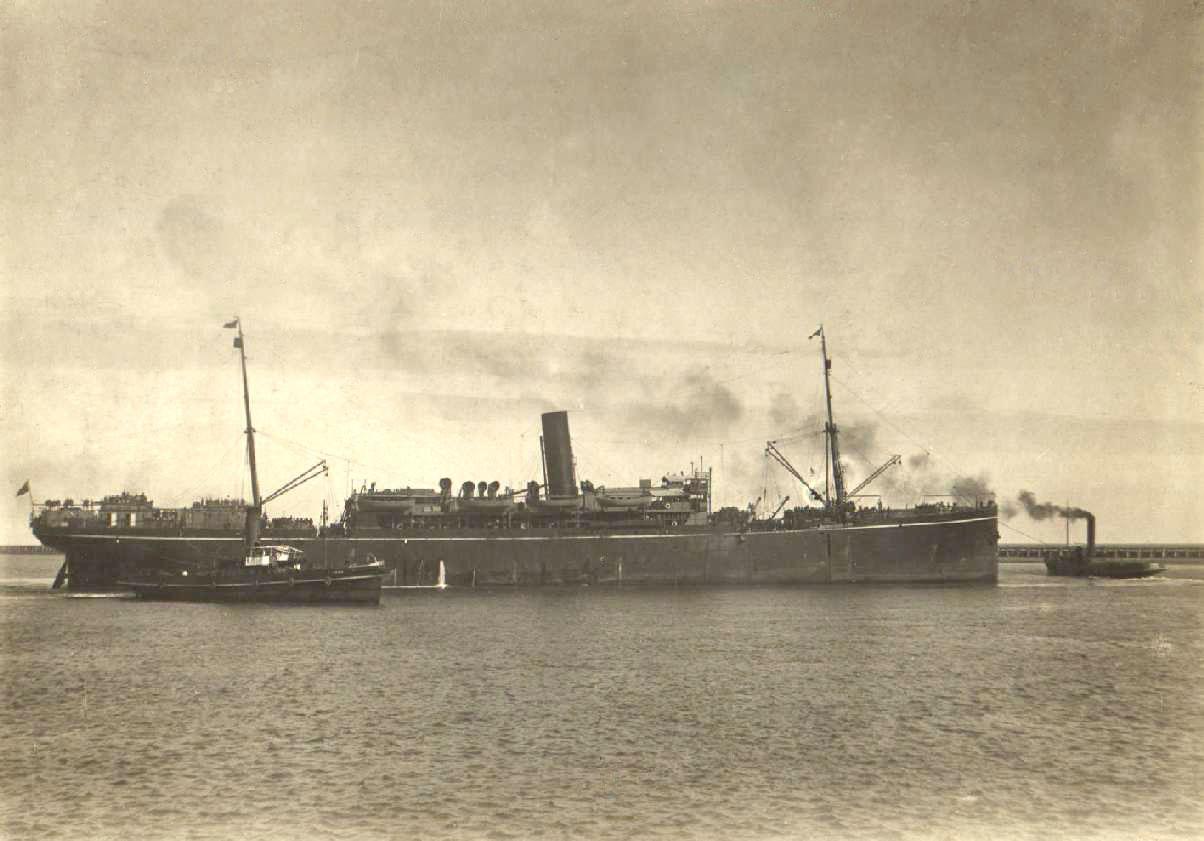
(764, 481)
(798, 436)
(213, 479)
(583, 452)
(1023, 533)
(308, 450)
(927, 449)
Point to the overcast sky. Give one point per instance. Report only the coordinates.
(438, 220)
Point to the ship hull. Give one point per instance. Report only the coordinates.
(932, 551)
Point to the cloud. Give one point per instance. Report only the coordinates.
(784, 412)
(194, 239)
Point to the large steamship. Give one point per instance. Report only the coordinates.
(560, 531)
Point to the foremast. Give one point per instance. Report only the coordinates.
(832, 435)
(255, 511)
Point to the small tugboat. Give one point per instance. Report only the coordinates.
(266, 572)
(1079, 561)
(275, 574)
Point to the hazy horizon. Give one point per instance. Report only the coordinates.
(438, 221)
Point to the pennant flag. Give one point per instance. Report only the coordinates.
(818, 332)
(233, 323)
(24, 489)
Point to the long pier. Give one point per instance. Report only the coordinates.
(1144, 551)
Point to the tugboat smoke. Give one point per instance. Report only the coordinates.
(1045, 510)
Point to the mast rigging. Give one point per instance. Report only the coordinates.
(833, 447)
(253, 513)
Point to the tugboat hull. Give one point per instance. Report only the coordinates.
(1123, 569)
(361, 588)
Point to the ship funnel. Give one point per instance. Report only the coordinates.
(558, 449)
(482, 488)
(1090, 535)
(493, 486)
(445, 487)
(466, 490)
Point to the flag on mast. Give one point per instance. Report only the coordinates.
(818, 332)
(24, 489)
(233, 323)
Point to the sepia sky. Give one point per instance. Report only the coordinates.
(439, 219)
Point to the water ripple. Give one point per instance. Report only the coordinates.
(1025, 712)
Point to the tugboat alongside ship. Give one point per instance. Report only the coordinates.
(560, 531)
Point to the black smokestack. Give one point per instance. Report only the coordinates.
(558, 450)
(1090, 534)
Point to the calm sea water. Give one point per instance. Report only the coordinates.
(1039, 708)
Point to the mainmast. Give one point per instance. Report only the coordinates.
(255, 511)
(830, 427)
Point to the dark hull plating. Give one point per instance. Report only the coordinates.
(922, 551)
(1077, 567)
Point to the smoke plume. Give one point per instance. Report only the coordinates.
(1045, 510)
(966, 489)
(784, 411)
(922, 476)
(699, 405)
(859, 440)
